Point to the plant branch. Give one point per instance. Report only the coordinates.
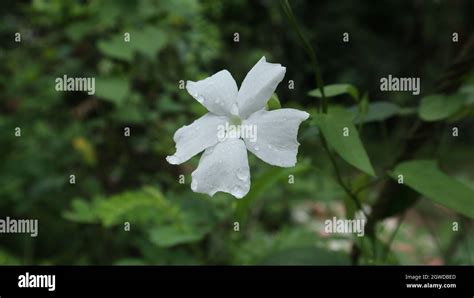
(324, 106)
(392, 237)
(309, 50)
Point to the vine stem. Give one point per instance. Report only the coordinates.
(392, 236)
(324, 105)
(309, 51)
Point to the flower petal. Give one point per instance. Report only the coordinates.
(217, 93)
(258, 86)
(275, 141)
(194, 138)
(223, 167)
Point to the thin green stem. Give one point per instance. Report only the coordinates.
(392, 237)
(309, 50)
(324, 105)
(369, 184)
(346, 189)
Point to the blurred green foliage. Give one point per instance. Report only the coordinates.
(121, 180)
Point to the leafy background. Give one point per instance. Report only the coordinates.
(126, 179)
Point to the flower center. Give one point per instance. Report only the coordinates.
(235, 120)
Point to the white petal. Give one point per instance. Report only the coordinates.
(275, 141)
(217, 93)
(194, 138)
(223, 167)
(258, 86)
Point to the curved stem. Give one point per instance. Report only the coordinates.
(346, 189)
(324, 105)
(309, 50)
(392, 237)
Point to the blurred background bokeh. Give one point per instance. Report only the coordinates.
(120, 179)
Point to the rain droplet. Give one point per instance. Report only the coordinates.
(238, 192)
(234, 110)
(242, 174)
(256, 148)
(270, 146)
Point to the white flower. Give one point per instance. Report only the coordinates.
(224, 164)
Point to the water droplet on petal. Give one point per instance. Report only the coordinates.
(270, 146)
(234, 110)
(256, 148)
(237, 191)
(243, 174)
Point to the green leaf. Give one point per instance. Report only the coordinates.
(273, 103)
(117, 48)
(349, 147)
(168, 105)
(81, 212)
(425, 177)
(113, 210)
(262, 183)
(378, 111)
(113, 89)
(468, 89)
(148, 41)
(335, 90)
(77, 31)
(358, 184)
(166, 236)
(407, 111)
(468, 109)
(363, 106)
(129, 114)
(437, 107)
(176, 224)
(306, 256)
